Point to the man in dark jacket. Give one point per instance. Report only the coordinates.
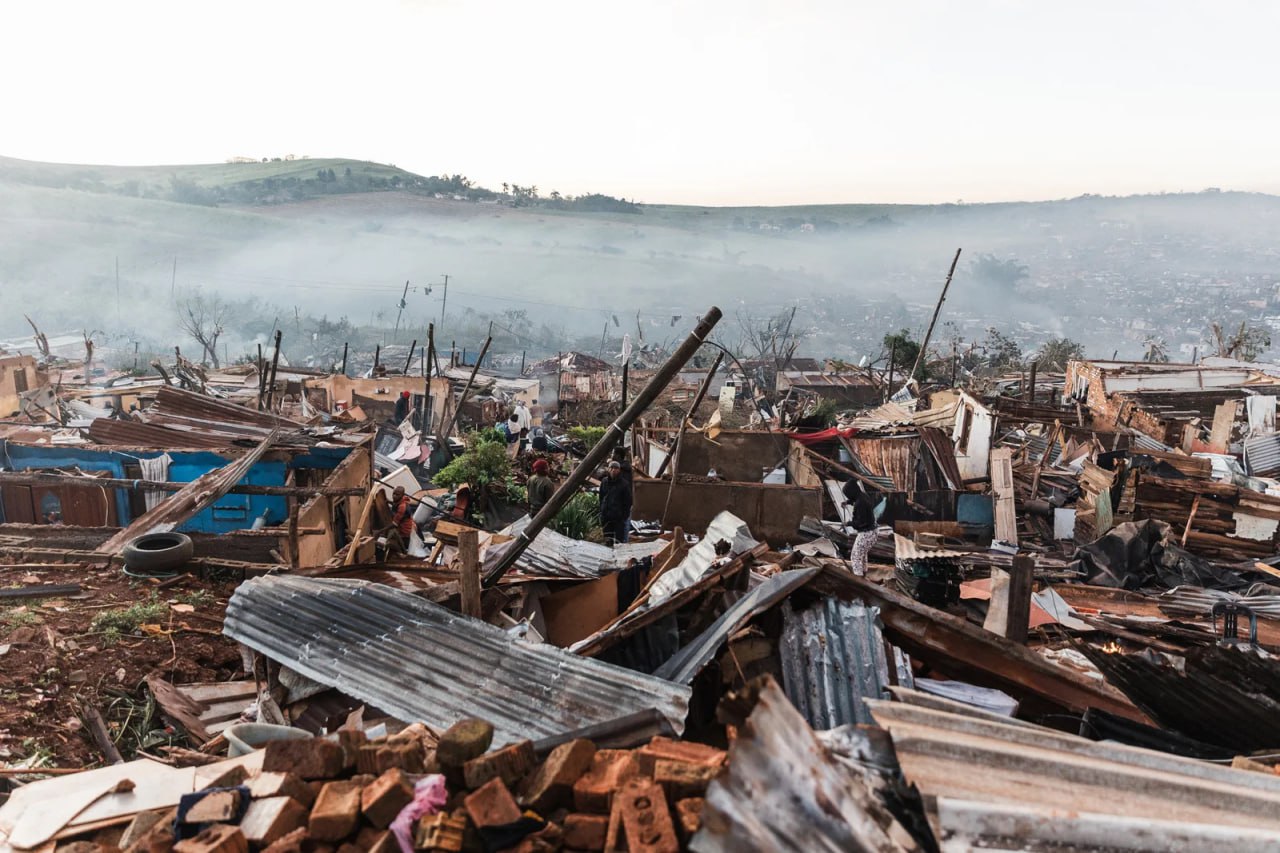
(615, 504)
(863, 521)
(402, 408)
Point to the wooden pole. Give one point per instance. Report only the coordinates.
(697, 401)
(294, 557)
(1031, 385)
(262, 377)
(1186, 531)
(275, 363)
(345, 344)
(469, 571)
(359, 532)
(408, 362)
(466, 391)
(893, 357)
(512, 551)
(426, 383)
(932, 322)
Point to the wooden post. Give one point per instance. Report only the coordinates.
(1021, 578)
(262, 376)
(697, 401)
(466, 391)
(345, 344)
(294, 557)
(924, 345)
(426, 380)
(893, 356)
(275, 363)
(408, 362)
(1009, 610)
(1031, 386)
(359, 532)
(469, 571)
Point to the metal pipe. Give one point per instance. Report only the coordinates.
(511, 552)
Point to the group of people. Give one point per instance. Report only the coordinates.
(615, 497)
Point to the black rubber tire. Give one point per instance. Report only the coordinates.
(152, 553)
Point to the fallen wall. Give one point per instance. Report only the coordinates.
(772, 512)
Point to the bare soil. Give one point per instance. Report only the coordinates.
(54, 664)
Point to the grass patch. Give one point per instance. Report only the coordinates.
(18, 617)
(127, 620)
(196, 598)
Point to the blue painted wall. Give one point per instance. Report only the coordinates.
(232, 512)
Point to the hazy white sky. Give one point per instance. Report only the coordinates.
(700, 101)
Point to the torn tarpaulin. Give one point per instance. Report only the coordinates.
(1137, 554)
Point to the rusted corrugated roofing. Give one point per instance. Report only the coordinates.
(137, 434)
(418, 661)
(833, 660)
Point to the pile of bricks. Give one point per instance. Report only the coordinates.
(343, 794)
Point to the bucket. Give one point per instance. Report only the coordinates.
(244, 738)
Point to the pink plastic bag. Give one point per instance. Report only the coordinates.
(429, 795)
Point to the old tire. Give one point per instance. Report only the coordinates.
(157, 553)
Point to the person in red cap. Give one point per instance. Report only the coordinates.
(539, 486)
(402, 408)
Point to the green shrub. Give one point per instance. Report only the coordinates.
(588, 435)
(579, 518)
(484, 462)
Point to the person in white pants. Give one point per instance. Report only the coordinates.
(863, 522)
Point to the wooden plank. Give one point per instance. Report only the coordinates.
(469, 571)
(1002, 484)
(1224, 417)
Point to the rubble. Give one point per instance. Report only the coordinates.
(1078, 584)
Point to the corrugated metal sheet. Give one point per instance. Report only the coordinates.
(1262, 455)
(189, 415)
(939, 443)
(833, 659)
(905, 549)
(418, 661)
(725, 526)
(553, 554)
(1008, 764)
(784, 791)
(689, 661)
(891, 458)
(134, 434)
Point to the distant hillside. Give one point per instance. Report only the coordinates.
(281, 181)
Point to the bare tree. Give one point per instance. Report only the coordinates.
(202, 319)
(1246, 343)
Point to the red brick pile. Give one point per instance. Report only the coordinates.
(343, 794)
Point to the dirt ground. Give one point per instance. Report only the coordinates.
(59, 656)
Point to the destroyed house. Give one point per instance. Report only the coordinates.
(738, 471)
(575, 377)
(1180, 405)
(79, 501)
(853, 389)
(18, 375)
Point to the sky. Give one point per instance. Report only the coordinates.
(714, 102)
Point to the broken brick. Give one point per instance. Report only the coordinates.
(292, 842)
(150, 831)
(492, 805)
(510, 764)
(646, 819)
(336, 813)
(383, 798)
(312, 758)
(551, 785)
(585, 831)
(219, 838)
(272, 818)
(689, 816)
(222, 806)
(681, 781)
(281, 785)
(665, 749)
(350, 740)
(376, 759)
(593, 792)
(441, 832)
(463, 741)
(232, 777)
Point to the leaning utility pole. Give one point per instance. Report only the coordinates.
(444, 300)
(936, 309)
(508, 553)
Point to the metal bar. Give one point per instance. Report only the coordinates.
(612, 436)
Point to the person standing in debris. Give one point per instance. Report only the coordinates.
(539, 486)
(615, 504)
(524, 419)
(400, 532)
(863, 522)
(402, 408)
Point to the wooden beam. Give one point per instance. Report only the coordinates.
(40, 478)
(469, 571)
